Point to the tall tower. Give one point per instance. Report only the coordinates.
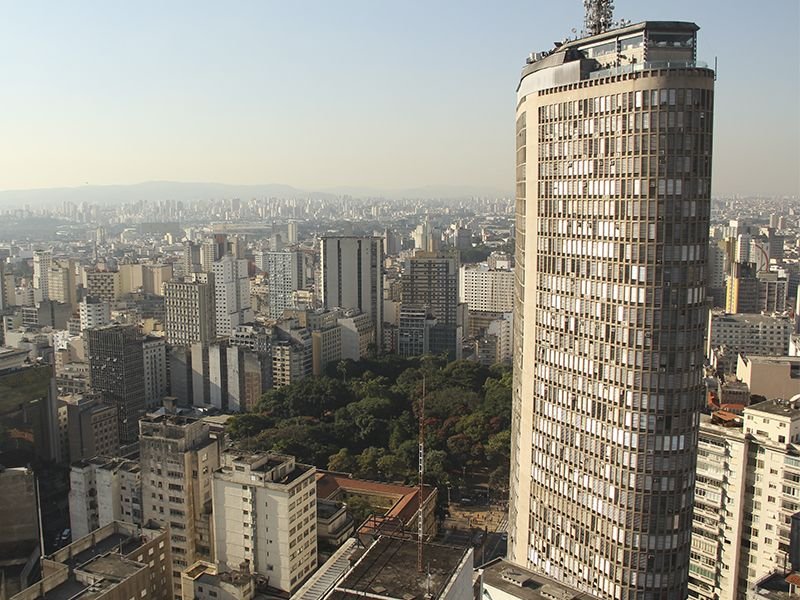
(351, 270)
(613, 139)
(116, 364)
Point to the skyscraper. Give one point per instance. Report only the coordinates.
(430, 283)
(613, 140)
(116, 364)
(285, 271)
(189, 310)
(231, 294)
(351, 270)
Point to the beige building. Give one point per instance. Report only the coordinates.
(117, 562)
(189, 311)
(612, 227)
(204, 581)
(358, 334)
(326, 347)
(91, 427)
(103, 285)
(265, 516)
(761, 335)
(770, 376)
(178, 458)
(746, 501)
(486, 290)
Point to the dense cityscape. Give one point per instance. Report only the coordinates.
(588, 388)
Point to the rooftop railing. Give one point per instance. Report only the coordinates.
(647, 66)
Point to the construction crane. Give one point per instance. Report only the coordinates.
(598, 16)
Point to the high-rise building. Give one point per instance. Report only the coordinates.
(747, 502)
(231, 294)
(189, 310)
(116, 364)
(430, 283)
(94, 312)
(103, 285)
(156, 384)
(42, 260)
(486, 290)
(285, 275)
(265, 516)
(351, 276)
(613, 157)
(178, 459)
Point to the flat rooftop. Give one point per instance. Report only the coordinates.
(389, 568)
(777, 408)
(527, 585)
(754, 318)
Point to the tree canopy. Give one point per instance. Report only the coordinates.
(362, 418)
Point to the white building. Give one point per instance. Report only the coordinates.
(485, 289)
(42, 261)
(231, 294)
(102, 490)
(746, 500)
(285, 275)
(265, 515)
(357, 335)
(94, 313)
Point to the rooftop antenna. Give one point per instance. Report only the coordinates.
(598, 16)
(421, 474)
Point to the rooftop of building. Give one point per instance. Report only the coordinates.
(777, 586)
(783, 408)
(575, 49)
(280, 469)
(403, 499)
(771, 360)
(751, 318)
(388, 569)
(521, 583)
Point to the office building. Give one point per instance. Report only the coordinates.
(613, 157)
(190, 310)
(231, 294)
(747, 501)
(118, 562)
(116, 366)
(178, 458)
(265, 516)
(351, 276)
(61, 285)
(28, 412)
(430, 283)
(91, 427)
(19, 523)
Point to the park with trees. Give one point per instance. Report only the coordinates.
(363, 418)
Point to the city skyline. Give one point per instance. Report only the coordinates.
(344, 96)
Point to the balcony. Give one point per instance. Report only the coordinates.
(647, 66)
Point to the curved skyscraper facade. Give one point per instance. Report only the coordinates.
(613, 148)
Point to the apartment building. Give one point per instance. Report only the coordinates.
(265, 516)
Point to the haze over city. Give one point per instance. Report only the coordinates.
(352, 97)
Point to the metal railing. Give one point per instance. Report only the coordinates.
(647, 66)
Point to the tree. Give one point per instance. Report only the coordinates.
(247, 425)
(342, 461)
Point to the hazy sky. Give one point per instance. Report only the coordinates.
(326, 93)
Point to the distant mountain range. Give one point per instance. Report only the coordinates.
(185, 191)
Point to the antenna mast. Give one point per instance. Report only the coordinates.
(598, 16)
(421, 474)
